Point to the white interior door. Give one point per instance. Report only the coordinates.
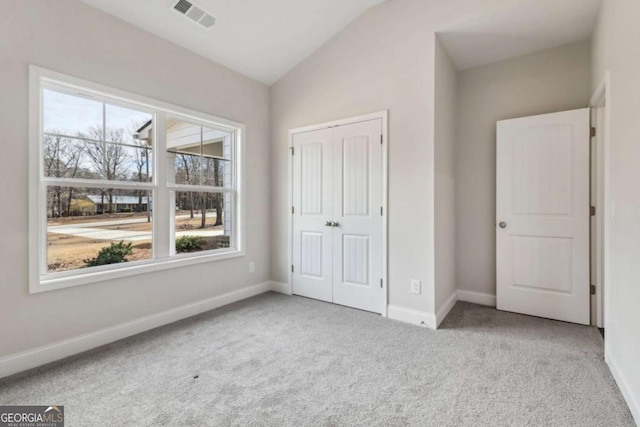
(337, 218)
(542, 224)
(357, 198)
(312, 207)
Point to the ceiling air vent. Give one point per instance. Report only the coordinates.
(207, 21)
(194, 13)
(182, 6)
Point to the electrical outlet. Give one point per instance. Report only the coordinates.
(415, 286)
(252, 267)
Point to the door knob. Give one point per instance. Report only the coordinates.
(502, 224)
(334, 224)
(328, 223)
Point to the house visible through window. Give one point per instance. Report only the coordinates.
(117, 193)
(202, 157)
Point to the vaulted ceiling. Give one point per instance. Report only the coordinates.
(262, 39)
(266, 39)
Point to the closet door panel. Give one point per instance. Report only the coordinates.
(357, 199)
(312, 208)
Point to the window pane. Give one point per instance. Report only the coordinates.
(187, 168)
(126, 125)
(202, 221)
(216, 172)
(126, 154)
(201, 156)
(83, 221)
(68, 158)
(135, 164)
(113, 162)
(70, 115)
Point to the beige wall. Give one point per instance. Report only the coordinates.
(384, 60)
(72, 38)
(445, 123)
(616, 48)
(545, 82)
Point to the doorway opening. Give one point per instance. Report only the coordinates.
(601, 204)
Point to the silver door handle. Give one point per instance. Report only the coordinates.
(328, 223)
(334, 223)
(502, 224)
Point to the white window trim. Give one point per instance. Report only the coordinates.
(39, 77)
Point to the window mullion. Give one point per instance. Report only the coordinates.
(237, 204)
(91, 140)
(95, 183)
(162, 219)
(42, 235)
(199, 188)
(105, 165)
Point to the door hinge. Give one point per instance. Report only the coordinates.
(292, 268)
(381, 139)
(380, 210)
(593, 289)
(593, 131)
(293, 210)
(293, 150)
(592, 211)
(380, 282)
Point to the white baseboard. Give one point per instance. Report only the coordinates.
(282, 288)
(477, 297)
(28, 359)
(633, 402)
(446, 308)
(415, 317)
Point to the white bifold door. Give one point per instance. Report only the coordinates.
(337, 217)
(542, 224)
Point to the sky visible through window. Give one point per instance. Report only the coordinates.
(70, 115)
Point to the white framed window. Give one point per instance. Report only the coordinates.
(121, 184)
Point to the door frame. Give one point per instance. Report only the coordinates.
(383, 116)
(601, 100)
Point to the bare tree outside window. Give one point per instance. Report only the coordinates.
(108, 159)
(61, 160)
(187, 169)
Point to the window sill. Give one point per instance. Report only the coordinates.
(47, 283)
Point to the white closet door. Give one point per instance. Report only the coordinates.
(357, 200)
(543, 216)
(313, 206)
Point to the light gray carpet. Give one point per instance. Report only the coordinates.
(278, 360)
